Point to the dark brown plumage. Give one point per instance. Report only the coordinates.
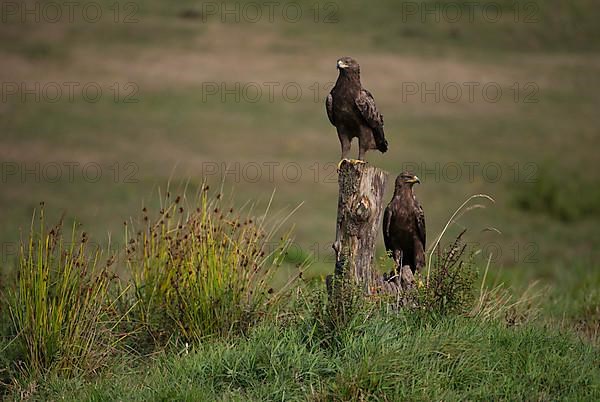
(404, 225)
(351, 109)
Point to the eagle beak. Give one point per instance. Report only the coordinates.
(341, 64)
(415, 179)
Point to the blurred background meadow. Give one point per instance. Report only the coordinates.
(107, 102)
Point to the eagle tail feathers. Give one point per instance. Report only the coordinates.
(380, 141)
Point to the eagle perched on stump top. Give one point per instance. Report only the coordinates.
(351, 109)
(404, 225)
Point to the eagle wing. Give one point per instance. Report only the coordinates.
(329, 106)
(368, 110)
(421, 224)
(387, 220)
(366, 105)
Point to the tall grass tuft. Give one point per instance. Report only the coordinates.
(200, 268)
(499, 302)
(61, 308)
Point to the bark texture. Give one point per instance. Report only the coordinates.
(360, 210)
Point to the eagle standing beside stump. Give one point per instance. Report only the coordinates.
(351, 109)
(404, 225)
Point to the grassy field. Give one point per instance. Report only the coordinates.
(391, 358)
(190, 94)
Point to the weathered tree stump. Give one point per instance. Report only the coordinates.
(360, 210)
(400, 285)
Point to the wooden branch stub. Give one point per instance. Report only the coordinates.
(360, 209)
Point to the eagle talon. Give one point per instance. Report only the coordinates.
(351, 161)
(339, 165)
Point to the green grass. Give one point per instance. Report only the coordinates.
(200, 268)
(455, 343)
(548, 226)
(61, 306)
(552, 195)
(385, 358)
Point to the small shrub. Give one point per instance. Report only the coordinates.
(450, 287)
(200, 268)
(61, 308)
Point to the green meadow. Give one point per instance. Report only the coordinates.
(104, 114)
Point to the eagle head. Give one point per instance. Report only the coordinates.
(406, 179)
(347, 64)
